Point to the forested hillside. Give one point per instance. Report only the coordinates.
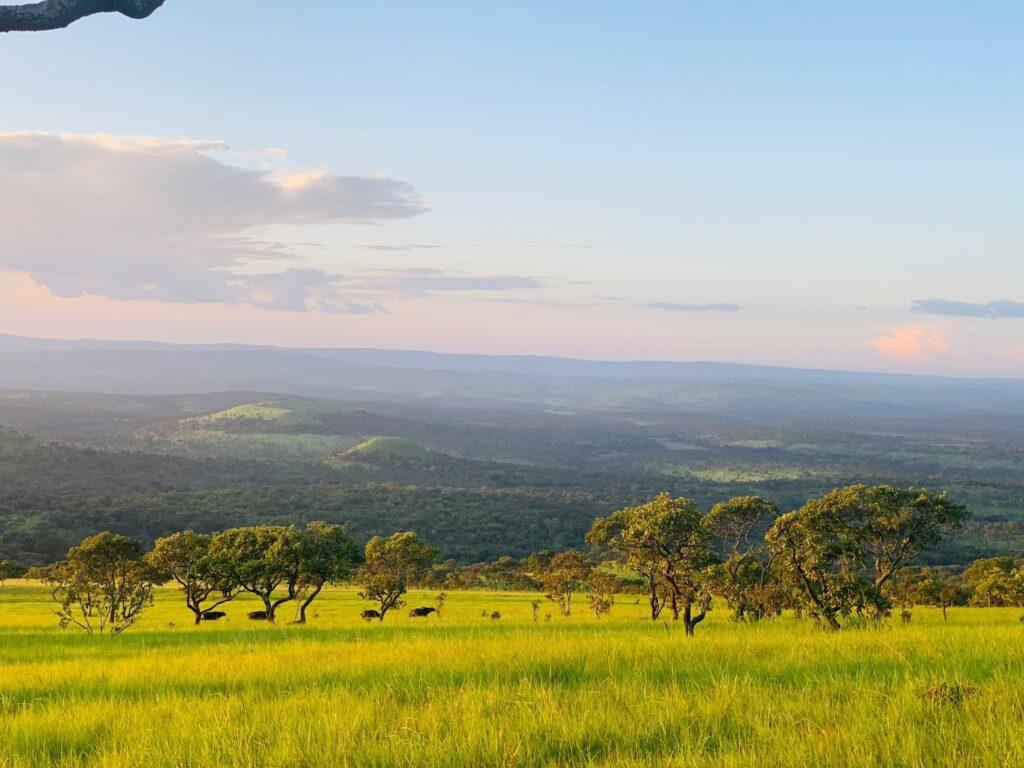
(478, 480)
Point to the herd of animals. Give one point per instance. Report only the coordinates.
(367, 615)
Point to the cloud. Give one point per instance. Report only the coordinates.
(992, 309)
(673, 307)
(910, 342)
(303, 290)
(402, 247)
(425, 280)
(130, 217)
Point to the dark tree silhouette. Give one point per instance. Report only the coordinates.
(57, 14)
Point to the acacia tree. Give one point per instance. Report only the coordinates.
(744, 577)
(664, 542)
(260, 560)
(104, 584)
(327, 554)
(185, 557)
(391, 565)
(57, 14)
(566, 573)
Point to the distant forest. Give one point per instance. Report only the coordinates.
(478, 479)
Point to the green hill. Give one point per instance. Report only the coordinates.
(286, 412)
(397, 447)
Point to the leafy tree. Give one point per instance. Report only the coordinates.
(842, 548)
(665, 542)
(601, 588)
(104, 584)
(185, 558)
(260, 560)
(943, 590)
(566, 573)
(392, 564)
(8, 570)
(995, 581)
(327, 555)
(820, 565)
(744, 579)
(904, 589)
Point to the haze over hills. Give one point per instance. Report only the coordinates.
(155, 368)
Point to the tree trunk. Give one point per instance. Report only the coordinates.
(269, 608)
(690, 621)
(305, 604)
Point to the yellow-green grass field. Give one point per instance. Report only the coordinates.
(463, 690)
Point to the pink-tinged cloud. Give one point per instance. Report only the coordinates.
(911, 342)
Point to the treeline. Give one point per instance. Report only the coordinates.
(848, 553)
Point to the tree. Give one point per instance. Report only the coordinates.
(58, 14)
(889, 526)
(664, 542)
(185, 558)
(601, 588)
(819, 564)
(327, 555)
(566, 574)
(8, 570)
(904, 589)
(104, 584)
(743, 579)
(260, 560)
(943, 590)
(995, 581)
(392, 564)
(842, 548)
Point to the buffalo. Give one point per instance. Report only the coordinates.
(369, 614)
(257, 615)
(213, 615)
(422, 611)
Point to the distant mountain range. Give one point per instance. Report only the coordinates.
(144, 367)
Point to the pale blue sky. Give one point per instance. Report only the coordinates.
(821, 167)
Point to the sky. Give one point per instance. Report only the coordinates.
(792, 183)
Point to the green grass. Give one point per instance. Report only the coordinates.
(461, 690)
(390, 446)
(283, 412)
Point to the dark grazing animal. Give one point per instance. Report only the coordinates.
(369, 614)
(213, 615)
(422, 611)
(495, 615)
(257, 615)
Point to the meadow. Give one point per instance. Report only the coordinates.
(465, 690)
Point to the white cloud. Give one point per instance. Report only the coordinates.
(423, 280)
(150, 218)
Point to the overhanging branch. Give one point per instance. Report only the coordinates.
(57, 14)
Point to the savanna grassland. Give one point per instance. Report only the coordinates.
(462, 689)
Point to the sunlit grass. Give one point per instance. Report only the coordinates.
(463, 690)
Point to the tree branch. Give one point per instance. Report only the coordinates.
(57, 14)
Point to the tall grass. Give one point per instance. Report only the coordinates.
(463, 690)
